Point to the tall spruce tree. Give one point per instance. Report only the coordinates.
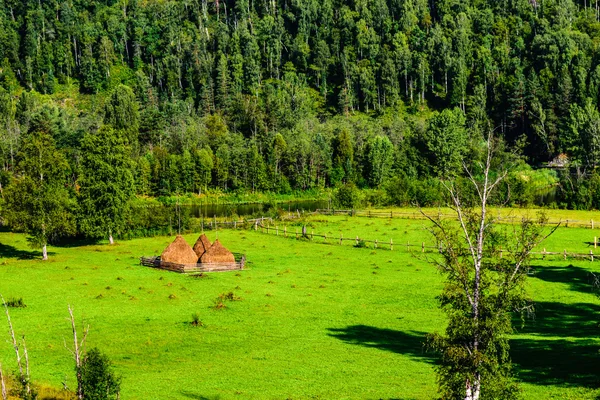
(106, 183)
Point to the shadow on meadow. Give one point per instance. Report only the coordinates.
(410, 342)
(543, 361)
(194, 396)
(571, 362)
(7, 251)
(557, 362)
(579, 279)
(580, 320)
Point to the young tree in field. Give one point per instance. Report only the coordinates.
(98, 381)
(106, 184)
(485, 266)
(37, 201)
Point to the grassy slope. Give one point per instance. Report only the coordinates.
(315, 321)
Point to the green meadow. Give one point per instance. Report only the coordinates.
(307, 319)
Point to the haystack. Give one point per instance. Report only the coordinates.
(201, 245)
(217, 254)
(179, 252)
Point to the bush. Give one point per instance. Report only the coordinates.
(405, 191)
(98, 381)
(16, 303)
(347, 196)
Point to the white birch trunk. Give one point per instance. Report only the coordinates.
(44, 253)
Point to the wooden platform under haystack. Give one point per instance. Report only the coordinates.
(156, 262)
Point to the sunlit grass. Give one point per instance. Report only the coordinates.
(310, 320)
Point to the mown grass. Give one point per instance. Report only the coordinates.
(305, 320)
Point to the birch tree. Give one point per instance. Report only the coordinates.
(485, 267)
(37, 201)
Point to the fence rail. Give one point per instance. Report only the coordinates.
(416, 215)
(407, 247)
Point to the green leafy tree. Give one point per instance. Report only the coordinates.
(482, 289)
(121, 112)
(204, 162)
(38, 201)
(98, 380)
(380, 159)
(106, 183)
(446, 141)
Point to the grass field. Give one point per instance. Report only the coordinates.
(313, 320)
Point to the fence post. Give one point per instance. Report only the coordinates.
(565, 254)
(357, 241)
(296, 233)
(285, 231)
(277, 230)
(567, 224)
(544, 254)
(592, 255)
(234, 224)
(422, 247)
(595, 241)
(375, 243)
(312, 234)
(391, 214)
(341, 239)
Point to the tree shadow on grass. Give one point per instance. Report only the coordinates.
(573, 361)
(579, 279)
(410, 342)
(7, 251)
(557, 362)
(579, 320)
(194, 396)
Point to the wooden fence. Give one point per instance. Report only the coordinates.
(417, 215)
(406, 247)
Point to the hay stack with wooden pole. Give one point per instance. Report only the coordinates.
(179, 252)
(217, 254)
(201, 246)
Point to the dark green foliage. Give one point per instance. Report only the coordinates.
(16, 303)
(98, 380)
(106, 183)
(347, 196)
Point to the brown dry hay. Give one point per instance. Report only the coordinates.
(179, 252)
(217, 254)
(201, 245)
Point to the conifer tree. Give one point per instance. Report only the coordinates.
(106, 183)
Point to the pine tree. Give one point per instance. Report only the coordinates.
(106, 183)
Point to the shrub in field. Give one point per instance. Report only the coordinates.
(347, 196)
(361, 244)
(98, 381)
(16, 303)
(196, 320)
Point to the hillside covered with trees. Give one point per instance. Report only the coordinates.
(295, 95)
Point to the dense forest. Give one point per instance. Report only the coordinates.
(158, 97)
